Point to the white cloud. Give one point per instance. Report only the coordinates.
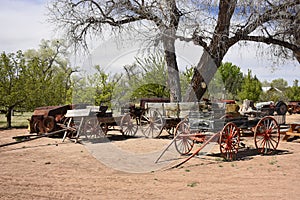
(22, 24)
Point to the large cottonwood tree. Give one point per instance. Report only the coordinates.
(274, 23)
(79, 18)
(214, 25)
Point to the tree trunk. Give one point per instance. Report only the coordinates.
(203, 74)
(173, 72)
(8, 117)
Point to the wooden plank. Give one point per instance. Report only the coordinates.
(292, 133)
(33, 138)
(78, 113)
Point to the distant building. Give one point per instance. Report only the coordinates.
(271, 89)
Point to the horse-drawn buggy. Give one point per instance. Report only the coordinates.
(217, 124)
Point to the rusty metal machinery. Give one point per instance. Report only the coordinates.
(46, 119)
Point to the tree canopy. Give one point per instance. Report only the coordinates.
(34, 78)
(251, 88)
(214, 25)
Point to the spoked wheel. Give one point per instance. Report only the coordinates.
(151, 123)
(266, 135)
(92, 129)
(229, 141)
(129, 125)
(104, 128)
(49, 124)
(72, 129)
(183, 143)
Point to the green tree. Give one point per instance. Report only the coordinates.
(49, 73)
(216, 88)
(36, 78)
(95, 88)
(147, 77)
(214, 25)
(251, 88)
(84, 90)
(12, 93)
(186, 78)
(279, 83)
(105, 86)
(276, 90)
(232, 78)
(293, 93)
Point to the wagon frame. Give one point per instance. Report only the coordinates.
(266, 132)
(94, 122)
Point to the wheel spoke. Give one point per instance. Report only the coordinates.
(229, 141)
(266, 136)
(183, 143)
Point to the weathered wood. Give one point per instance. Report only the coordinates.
(294, 130)
(78, 113)
(34, 138)
(184, 109)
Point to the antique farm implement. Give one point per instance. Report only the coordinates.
(47, 119)
(205, 127)
(96, 121)
(159, 116)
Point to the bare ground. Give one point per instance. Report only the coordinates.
(49, 169)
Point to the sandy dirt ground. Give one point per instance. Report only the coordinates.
(48, 168)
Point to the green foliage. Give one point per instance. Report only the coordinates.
(279, 83)
(12, 77)
(232, 78)
(186, 78)
(216, 88)
(94, 89)
(293, 93)
(226, 82)
(279, 91)
(251, 88)
(147, 77)
(36, 78)
(105, 86)
(48, 74)
(273, 95)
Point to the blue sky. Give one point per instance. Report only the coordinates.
(23, 25)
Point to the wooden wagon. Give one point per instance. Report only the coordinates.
(206, 126)
(95, 121)
(157, 117)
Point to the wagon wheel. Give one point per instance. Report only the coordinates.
(281, 108)
(266, 135)
(129, 125)
(183, 143)
(72, 129)
(36, 126)
(103, 128)
(229, 141)
(49, 124)
(92, 128)
(151, 123)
